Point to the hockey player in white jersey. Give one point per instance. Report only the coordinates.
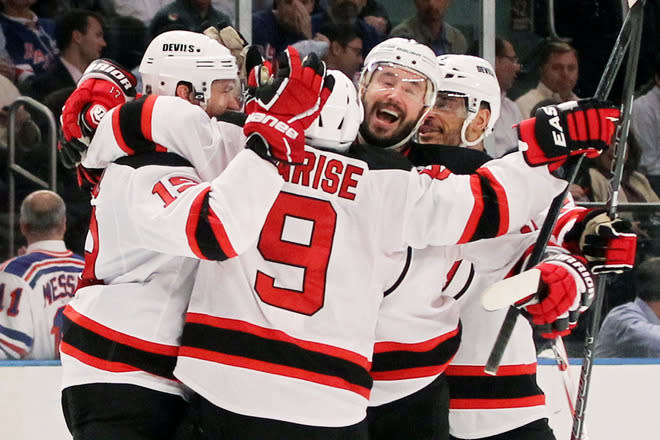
(417, 339)
(156, 214)
(35, 287)
(296, 316)
(396, 82)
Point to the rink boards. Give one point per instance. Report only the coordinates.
(623, 401)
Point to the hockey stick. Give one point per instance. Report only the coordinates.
(572, 166)
(637, 13)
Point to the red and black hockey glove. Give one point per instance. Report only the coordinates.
(608, 245)
(103, 86)
(566, 289)
(568, 129)
(284, 106)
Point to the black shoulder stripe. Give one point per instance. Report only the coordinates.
(153, 158)
(130, 125)
(204, 236)
(490, 218)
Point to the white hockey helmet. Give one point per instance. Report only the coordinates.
(407, 54)
(474, 78)
(337, 125)
(176, 56)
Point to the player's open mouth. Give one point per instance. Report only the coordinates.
(387, 115)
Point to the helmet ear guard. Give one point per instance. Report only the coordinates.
(182, 56)
(337, 125)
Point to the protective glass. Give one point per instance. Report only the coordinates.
(451, 102)
(394, 77)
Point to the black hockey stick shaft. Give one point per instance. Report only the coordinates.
(572, 167)
(637, 15)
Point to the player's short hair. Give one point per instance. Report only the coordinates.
(342, 33)
(647, 280)
(73, 20)
(42, 211)
(553, 47)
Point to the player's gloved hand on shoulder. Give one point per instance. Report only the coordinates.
(285, 105)
(608, 245)
(103, 86)
(566, 289)
(568, 129)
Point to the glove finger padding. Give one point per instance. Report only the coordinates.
(566, 289)
(103, 86)
(284, 106)
(571, 128)
(608, 245)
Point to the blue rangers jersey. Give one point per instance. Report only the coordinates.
(34, 289)
(30, 44)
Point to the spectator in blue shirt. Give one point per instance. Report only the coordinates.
(633, 329)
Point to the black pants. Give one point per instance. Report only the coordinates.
(420, 416)
(106, 411)
(537, 430)
(214, 423)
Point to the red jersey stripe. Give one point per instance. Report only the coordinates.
(418, 347)
(116, 129)
(477, 210)
(504, 370)
(497, 403)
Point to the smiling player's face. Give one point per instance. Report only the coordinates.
(393, 103)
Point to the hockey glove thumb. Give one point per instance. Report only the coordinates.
(568, 129)
(566, 289)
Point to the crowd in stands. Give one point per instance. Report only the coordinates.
(46, 45)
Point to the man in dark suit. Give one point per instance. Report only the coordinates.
(79, 36)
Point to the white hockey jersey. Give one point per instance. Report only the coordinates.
(418, 327)
(34, 289)
(286, 331)
(481, 404)
(153, 218)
